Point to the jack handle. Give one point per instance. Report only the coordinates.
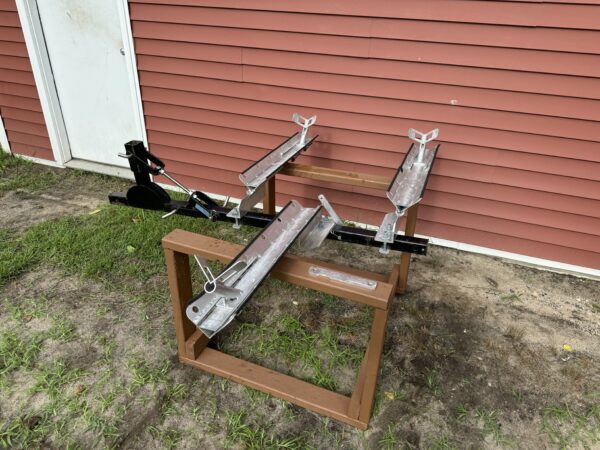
(143, 157)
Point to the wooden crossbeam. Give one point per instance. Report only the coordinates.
(290, 268)
(192, 345)
(336, 176)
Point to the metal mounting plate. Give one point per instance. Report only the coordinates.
(387, 230)
(316, 232)
(213, 311)
(256, 176)
(408, 185)
(271, 163)
(342, 277)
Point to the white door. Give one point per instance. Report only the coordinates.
(91, 71)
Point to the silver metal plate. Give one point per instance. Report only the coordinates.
(341, 277)
(316, 232)
(268, 166)
(387, 229)
(247, 203)
(211, 312)
(407, 188)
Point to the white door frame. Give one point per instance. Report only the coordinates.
(4, 142)
(44, 80)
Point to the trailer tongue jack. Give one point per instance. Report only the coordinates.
(146, 194)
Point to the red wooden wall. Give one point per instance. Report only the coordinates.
(513, 86)
(20, 106)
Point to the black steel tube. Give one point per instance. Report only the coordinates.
(345, 234)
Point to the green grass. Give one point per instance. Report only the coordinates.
(175, 392)
(23, 432)
(98, 246)
(389, 441)
(18, 173)
(62, 330)
(462, 412)
(108, 347)
(442, 443)
(52, 378)
(27, 308)
(432, 381)
(492, 426)
(169, 437)
(255, 437)
(569, 427)
(17, 352)
(286, 337)
(143, 374)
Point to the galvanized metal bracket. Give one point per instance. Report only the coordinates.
(225, 294)
(256, 176)
(318, 230)
(408, 185)
(343, 277)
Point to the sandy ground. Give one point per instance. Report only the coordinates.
(474, 356)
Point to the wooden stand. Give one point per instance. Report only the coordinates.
(349, 179)
(192, 344)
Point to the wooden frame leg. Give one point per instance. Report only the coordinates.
(269, 200)
(180, 284)
(409, 230)
(363, 394)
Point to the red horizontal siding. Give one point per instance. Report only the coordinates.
(20, 106)
(513, 86)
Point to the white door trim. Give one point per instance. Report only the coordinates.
(129, 47)
(4, 138)
(44, 79)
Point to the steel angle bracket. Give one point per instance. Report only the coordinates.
(321, 228)
(225, 294)
(409, 183)
(256, 176)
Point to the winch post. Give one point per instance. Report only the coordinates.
(139, 169)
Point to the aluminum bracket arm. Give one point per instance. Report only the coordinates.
(256, 176)
(408, 186)
(320, 229)
(225, 294)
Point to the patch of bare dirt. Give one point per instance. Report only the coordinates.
(21, 209)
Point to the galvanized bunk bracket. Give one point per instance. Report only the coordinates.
(256, 176)
(320, 228)
(225, 295)
(409, 183)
